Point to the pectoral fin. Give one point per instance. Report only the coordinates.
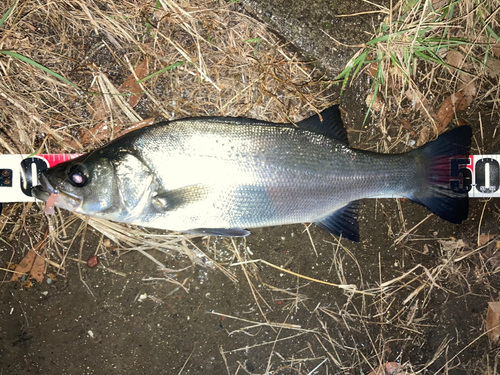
(174, 199)
(343, 222)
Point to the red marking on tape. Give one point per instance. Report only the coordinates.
(54, 159)
(471, 164)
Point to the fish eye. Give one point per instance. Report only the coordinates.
(78, 175)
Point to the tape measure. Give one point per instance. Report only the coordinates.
(477, 174)
(483, 171)
(19, 173)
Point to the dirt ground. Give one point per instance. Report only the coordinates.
(116, 324)
(422, 287)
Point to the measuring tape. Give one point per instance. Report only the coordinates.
(483, 171)
(477, 174)
(19, 173)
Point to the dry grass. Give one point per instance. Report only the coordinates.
(233, 67)
(422, 54)
(229, 65)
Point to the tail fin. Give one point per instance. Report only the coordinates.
(445, 194)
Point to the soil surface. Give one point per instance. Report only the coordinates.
(257, 319)
(324, 31)
(101, 323)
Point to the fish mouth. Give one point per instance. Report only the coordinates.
(64, 200)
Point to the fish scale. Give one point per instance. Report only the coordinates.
(284, 190)
(223, 176)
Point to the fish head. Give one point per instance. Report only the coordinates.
(84, 185)
(108, 184)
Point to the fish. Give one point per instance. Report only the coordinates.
(223, 176)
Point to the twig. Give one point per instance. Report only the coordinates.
(82, 241)
(310, 239)
(221, 351)
(269, 324)
(187, 360)
(411, 230)
(317, 367)
(349, 287)
(481, 220)
(263, 343)
(100, 266)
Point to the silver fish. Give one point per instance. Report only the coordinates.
(222, 176)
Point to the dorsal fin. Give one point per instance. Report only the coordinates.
(331, 126)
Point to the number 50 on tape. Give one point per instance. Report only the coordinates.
(480, 174)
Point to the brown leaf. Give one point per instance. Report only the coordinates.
(449, 246)
(467, 85)
(137, 125)
(372, 68)
(493, 67)
(377, 102)
(468, 89)
(493, 321)
(453, 103)
(24, 265)
(406, 124)
(32, 264)
(438, 4)
(98, 109)
(38, 268)
(484, 239)
(495, 46)
(390, 368)
(455, 58)
(26, 284)
(496, 50)
(426, 249)
(131, 86)
(99, 132)
(424, 136)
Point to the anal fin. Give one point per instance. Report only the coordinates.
(343, 222)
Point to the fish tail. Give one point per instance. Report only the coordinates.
(444, 191)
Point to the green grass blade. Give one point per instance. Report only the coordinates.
(429, 56)
(385, 38)
(170, 67)
(7, 14)
(492, 34)
(5, 242)
(37, 65)
(375, 86)
(395, 61)
(360, 61)
(345, 80)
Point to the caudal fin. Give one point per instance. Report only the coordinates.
(445, 193)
